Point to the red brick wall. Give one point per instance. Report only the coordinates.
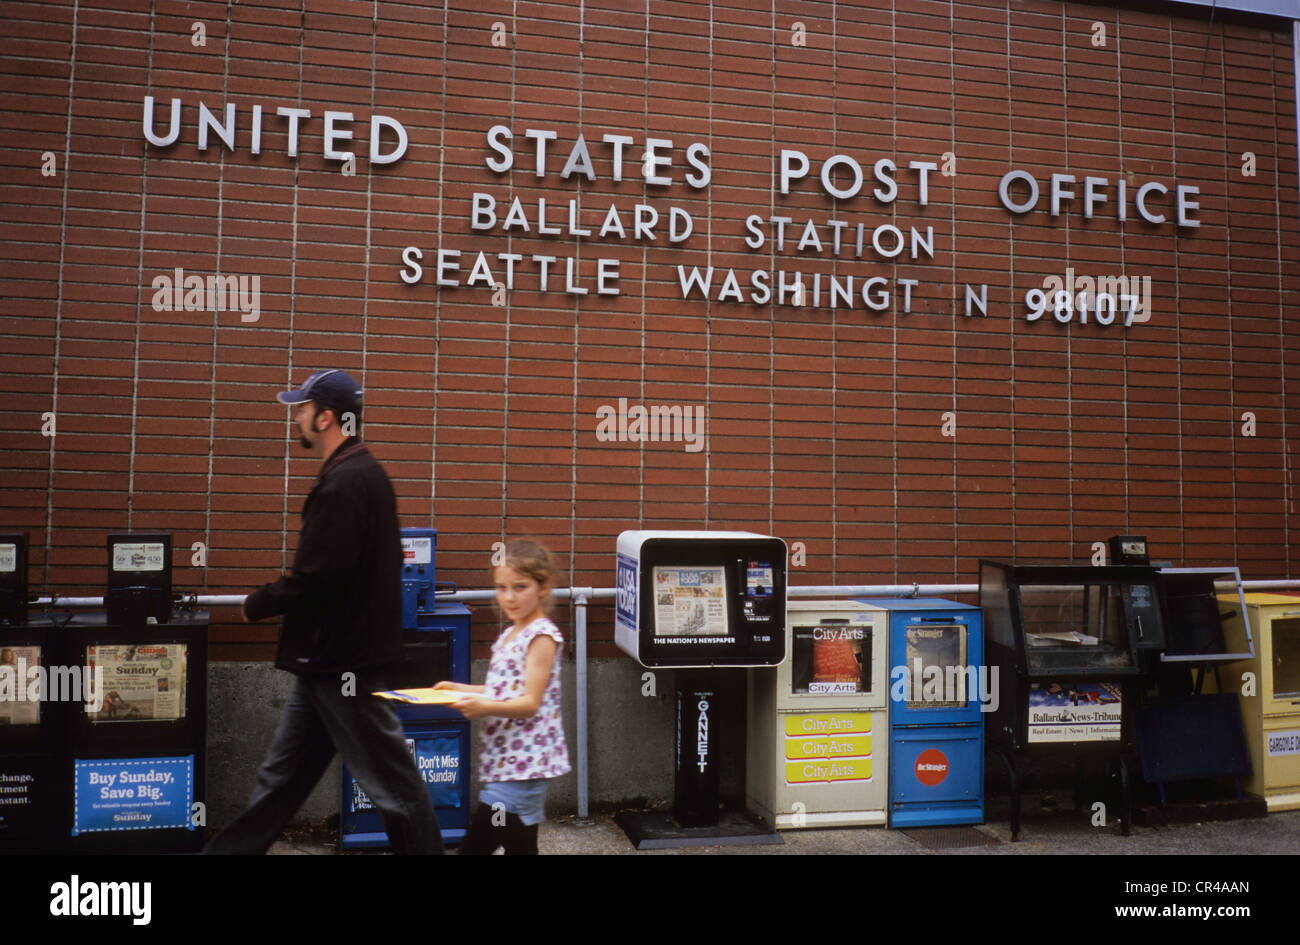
(824, 426)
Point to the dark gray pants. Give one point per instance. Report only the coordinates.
(317, 720)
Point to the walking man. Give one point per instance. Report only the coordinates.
(341, 607)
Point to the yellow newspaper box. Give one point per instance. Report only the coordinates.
(1269, 688)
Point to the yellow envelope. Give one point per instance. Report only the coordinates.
(427, 696)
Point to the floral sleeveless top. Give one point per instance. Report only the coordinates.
(522, 749)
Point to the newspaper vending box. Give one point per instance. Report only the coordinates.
(939, 692)
(1066, 640)
(817, 748)
(1187, 737)
(138, 740)
(34, 814)
(1268, 686)
(435, 642)
(699, 602)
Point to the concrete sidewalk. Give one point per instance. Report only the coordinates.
(1043, 831)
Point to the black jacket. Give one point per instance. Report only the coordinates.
(342, 601)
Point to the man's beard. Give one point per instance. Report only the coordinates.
(304, 442)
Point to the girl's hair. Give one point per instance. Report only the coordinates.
(532, 560)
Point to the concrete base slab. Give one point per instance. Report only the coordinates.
(659, 830)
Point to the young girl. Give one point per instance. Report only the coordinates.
(521, 741)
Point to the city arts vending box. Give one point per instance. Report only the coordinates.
(818, 749)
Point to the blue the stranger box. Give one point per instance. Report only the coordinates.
(938, 691)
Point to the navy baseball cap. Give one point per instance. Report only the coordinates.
(334, 389)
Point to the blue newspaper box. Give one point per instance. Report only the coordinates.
(937, 688)
(435, 643)
(442, 755)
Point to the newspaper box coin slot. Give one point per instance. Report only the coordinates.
(419, 559)
(13, 579)
(139, 578)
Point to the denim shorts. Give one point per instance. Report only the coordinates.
(524, 799)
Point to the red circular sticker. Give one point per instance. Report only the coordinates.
(931, 767)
